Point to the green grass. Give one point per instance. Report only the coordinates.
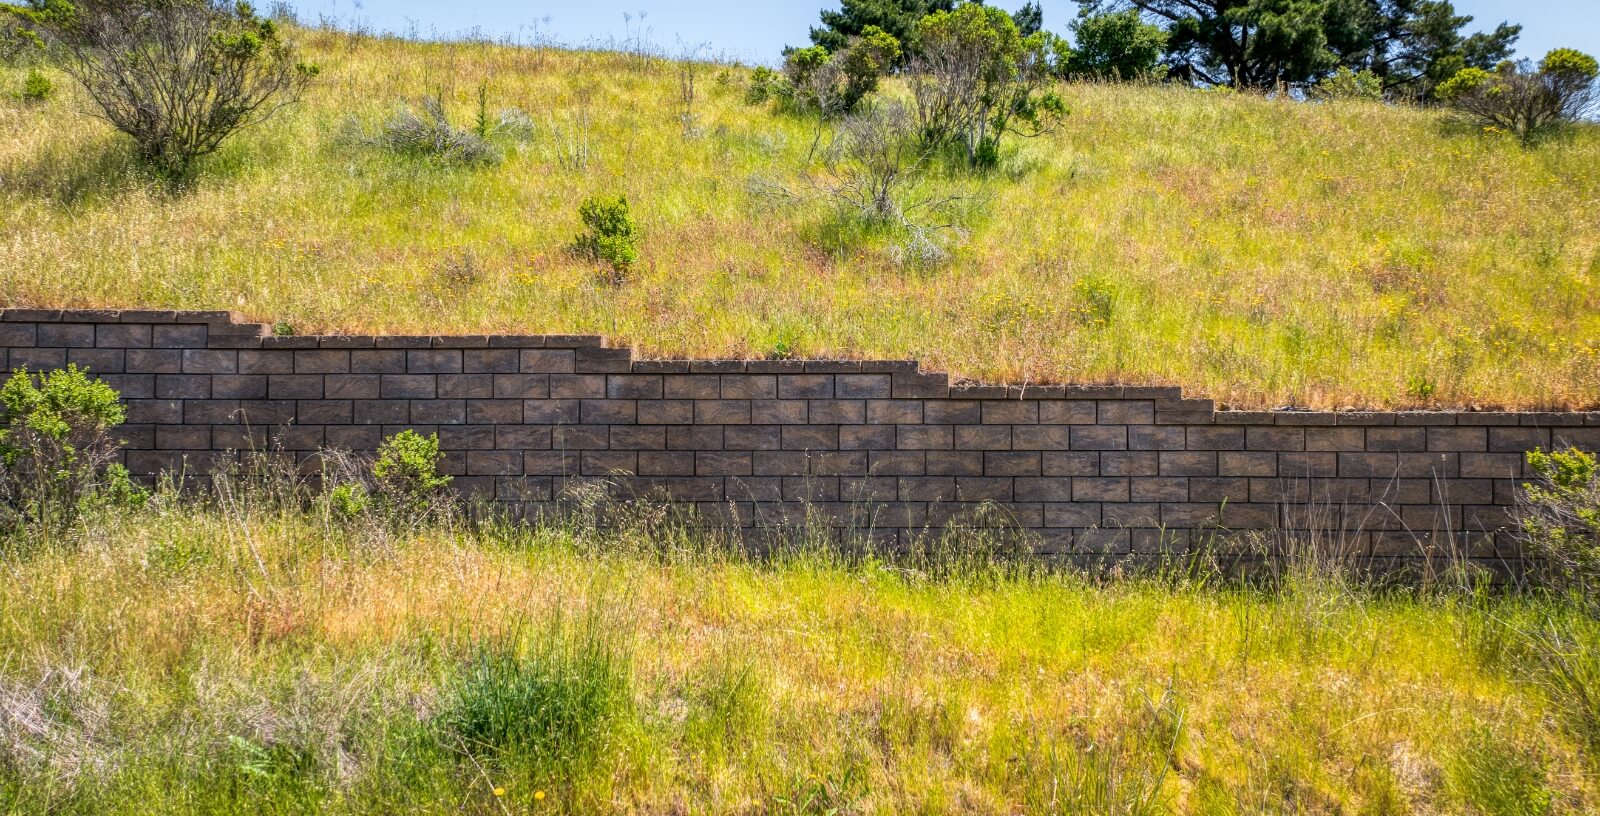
(1261, 252)
(181, 659)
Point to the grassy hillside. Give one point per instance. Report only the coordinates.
(1256, 251)
(256, 661)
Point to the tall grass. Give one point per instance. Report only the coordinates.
(1262, 252)
(246, 655)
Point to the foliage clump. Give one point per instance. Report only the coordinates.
(36, 87)
(829, 82)
(57, 452)
(978, 79)
(1345, 85)
(178, 76)
(609, 235)
(1559, 518)
(1527, 101)
(1113, 46)
(406, 472)
(426, 132)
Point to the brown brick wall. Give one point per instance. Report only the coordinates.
(1089, 469)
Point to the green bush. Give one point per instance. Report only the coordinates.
(36, 87)
(1559, 518)
(1527, 101)
(56, 448)
(1346, 85)
(1115, 45)
(406, 473)
(610, 236)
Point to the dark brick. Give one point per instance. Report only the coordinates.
(722, 412)
(465, 386)
(408, 386)
(348, 386)
(97, 360)
(1099, 437)
(183, 386)
(1068, 412)
(493, 412)
(122, 336)
(153, 361)
(1188, 463)
(64, 335)
(253, 361)
(666, 412)
(747, 386)
(862, 386)
(1126, 412)
(838, 412)
(439, 412)
(1012, 463)
(1006, 412)
(866, 437)
(1130, 463)
(779, 412)
(1071, 463)
(577, 386)
(954, 463)
(1153, 438)
(811, 437)
(1458, 439)
(638, 437)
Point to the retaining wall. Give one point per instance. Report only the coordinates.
(761, 444)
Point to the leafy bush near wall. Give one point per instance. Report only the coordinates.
(1559, 516)
(610, 236)
(57, 451)
(407, 471)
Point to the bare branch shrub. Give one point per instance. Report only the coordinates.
(1527, 101)
(178, 76)
(978, 79)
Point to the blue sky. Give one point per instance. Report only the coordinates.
(755, 30)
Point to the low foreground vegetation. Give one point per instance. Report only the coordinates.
(1259, 251)
(245, 654)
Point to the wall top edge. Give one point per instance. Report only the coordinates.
(227, 329)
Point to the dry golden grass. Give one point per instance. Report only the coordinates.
(192, 661)
(1257, 251)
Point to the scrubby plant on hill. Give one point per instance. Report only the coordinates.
(835, 82)
(1559, 515)
(1114, 45)
(609, 235)
(1526, 101)
(978, 80)
(57, 452)
(897, 18)
(178, 76)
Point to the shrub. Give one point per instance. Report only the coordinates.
(610, 235)
(1347, 85)
(36, 87)
(178, 76)
(406, 473)
(1115, 45)
(1526, 101)
(1559, 518)
(835, 83)
(56, 447)
(428, 133)
(978, 79)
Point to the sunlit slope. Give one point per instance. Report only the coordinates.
(1260, 252)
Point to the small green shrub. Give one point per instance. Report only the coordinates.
(36, 87)
(406, 473)
(1558, 515)
(1347, 85)
(56, 447)
(611, 237)
(349, 500)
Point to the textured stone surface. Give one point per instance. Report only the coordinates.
(525, 420)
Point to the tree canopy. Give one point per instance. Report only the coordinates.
(1410, 45)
